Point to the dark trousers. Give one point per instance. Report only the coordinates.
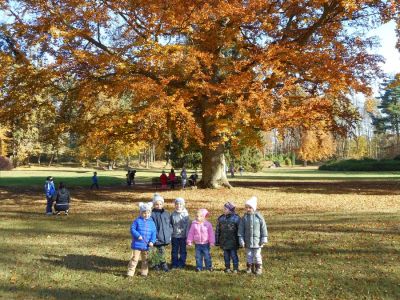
(231, 254)
(95, 184)
(161, 253)
(49, 205)
(203, 252)
(61, 206)
(178, 252)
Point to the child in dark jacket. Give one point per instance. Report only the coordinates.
(62, 200)
(162, 219)
(253, 235)
(226, 236)
(180, 227)
(143, 231)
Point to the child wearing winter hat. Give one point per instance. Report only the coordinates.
(253, 235)
(143, 231)
(180, 226)
(202, 235)
(162, 219)
(226, 236)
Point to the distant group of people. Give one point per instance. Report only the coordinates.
(232, 170)
(57, 201)
(61, 197)
(156, 227)
(171, 179)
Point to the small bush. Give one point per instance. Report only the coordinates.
(397, 157)
(5, 163)
(362, 165)
(250, 159)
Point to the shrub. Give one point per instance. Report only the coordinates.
(362, 165)
(5, 163)
(250, 159)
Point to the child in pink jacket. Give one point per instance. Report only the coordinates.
(202, 235)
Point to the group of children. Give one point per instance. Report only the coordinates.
(155, 227)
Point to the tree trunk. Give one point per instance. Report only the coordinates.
(51, 159)
(213, 168)
(147, 157)
(39, 158)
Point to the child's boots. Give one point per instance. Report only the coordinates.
(164, 267)
(132, 267)
(250, 268)
(258, 270)
(235, 268)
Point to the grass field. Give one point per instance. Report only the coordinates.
(35, 176)
(329, 239)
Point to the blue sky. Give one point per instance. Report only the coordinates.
(386, 34)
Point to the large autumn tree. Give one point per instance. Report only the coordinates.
(208, 72)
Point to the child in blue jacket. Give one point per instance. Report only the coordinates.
(143, 231)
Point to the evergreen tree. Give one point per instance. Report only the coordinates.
(389, 120)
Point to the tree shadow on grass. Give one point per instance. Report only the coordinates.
(339, 223)
(341, 187)
(24, 195)
(74, 293)
(88, 263)
(288, 249)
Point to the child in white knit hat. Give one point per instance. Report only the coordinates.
(143, 231)
(253, 235)
(162, 219)
(180, 227)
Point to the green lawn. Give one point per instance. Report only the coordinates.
(36, 176)
(336, 243)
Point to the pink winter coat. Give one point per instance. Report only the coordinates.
(201, 233)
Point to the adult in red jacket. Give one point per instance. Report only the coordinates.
(163, 180)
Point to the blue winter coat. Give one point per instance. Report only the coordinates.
(162, 218)
(144, 228)
(49, 189)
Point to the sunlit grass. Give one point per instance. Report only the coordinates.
(35, 176)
